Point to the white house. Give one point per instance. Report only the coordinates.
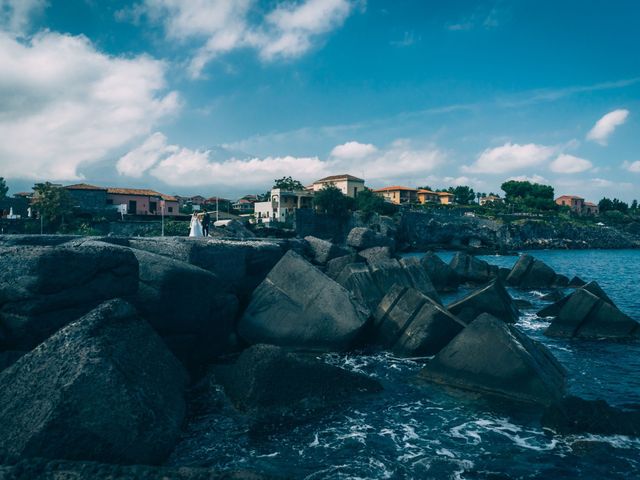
(348, 184)
(282, 205)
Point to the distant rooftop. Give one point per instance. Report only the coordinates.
(396, 188)
(140, 191)
(335, 178)
(573, 197)
(84, 186)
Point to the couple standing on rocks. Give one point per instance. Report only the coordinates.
(199, 226)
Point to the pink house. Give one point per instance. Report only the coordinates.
(143, 201)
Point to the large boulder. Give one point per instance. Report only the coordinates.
(267, 377)
(419, 278)
(442, 276)
(493, 299)
(492, 357)
(188, 306)
(386, 272)
(103, 388)
(374, 254)
(471, 269)
(43, 288)
(321, 251)
(412, 324)
(529, 273)
(585, 315)
(357, 278)
(592, 287)
(574, 415)
(335, 266)
(362, 238)
(299, 306)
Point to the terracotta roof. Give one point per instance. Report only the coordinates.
(573, 197)
(141, 192)
(422, 190)
(590, 204)
(83, 186)
(334, 178)
(395, 188)
(445, 194)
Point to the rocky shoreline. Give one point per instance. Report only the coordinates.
(103, 338)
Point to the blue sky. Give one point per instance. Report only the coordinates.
(219, 97)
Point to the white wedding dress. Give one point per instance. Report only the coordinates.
(196, 228)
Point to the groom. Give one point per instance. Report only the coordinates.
(206, 220)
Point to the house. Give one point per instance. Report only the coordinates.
(282, 205)
(575, 203)
(428, 196)
(217, 204)
(195, 201)
(398, 195)
(446, 198)
(591, 208)
(87, 198)
(348, 184)
(142, 201)
(489, 199)
(245, 204)
(18, 207)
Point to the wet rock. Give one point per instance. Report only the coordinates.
(43, 288)
(103, 388)
(299, 306)
(419, 278)
(591, 287)
(492, 357)
(585, 315)
(442, 276)
(412, 324)
(576, 282)
(471, 269)
(188, 306)
(561, 281)
(529, 273)
(493, 299)
(553, 296)
(321, 251)
(373, 254)
(334, 267)
(43, 469)
(357, 278)
(573, 415)
(362, 238)
(266, 377)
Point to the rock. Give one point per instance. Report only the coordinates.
(104, 388)
(503, 273)
(357, 278)
(10, 357)
(471, 269)
(232, 229)
(299, 306)
(188, 306)
(492, 357)
(576, 282)
(585, 315)
(374, 254)
(362, 238)
(561, 281)
(321, 251)
(386, 272)
(553, 296)
(43, 469)
(493, 299)
(442, 276)
(573, 415)
(412, 324)
(529, 273)
(334, 267)
(43, 288)
(270, 377)
(419, 278)
(591, 287)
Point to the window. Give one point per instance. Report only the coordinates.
(170, 209)
(153, 207)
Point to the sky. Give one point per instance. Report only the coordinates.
(221, 97)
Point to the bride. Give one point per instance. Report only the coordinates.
(195, 227)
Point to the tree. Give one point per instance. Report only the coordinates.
(332, 201)
(530, 195)
(52, 202)
(3, 188)
(608, 205)
(634, 205)
(368, 203)
(288, 183)
(463, 195)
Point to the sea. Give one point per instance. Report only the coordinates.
(414, 430)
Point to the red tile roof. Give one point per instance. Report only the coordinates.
(83, 186)
(572, 197)
(396, 188)
(141, 192)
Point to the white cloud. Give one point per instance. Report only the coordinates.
(288, 31)
(632, 166)
(569, 164)
(15, 15)
(606, 125)
(180, 166)
(510, 157)
(533, 179)
(64, 104)
(353, 150)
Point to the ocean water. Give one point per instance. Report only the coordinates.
(422, 431)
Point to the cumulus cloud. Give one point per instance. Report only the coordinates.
(287, 31)
(181, 166)
(15, 15)
(510, 157)
(353, 150)
(604, 127)
(64, 104)
(632, 166)
(569, 164)
(533, 179)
